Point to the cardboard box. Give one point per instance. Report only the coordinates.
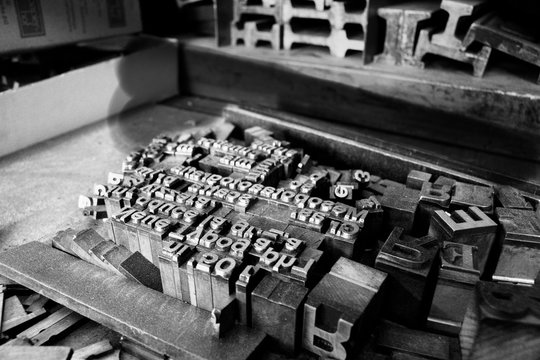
(54, 106)
(31, 24)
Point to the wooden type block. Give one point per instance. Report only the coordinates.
(92, 350)
(416, 178)
(139, 269)
(308, 218)
(412, 266)
(399, 205)
(311, 238)
(277, 310)
(458, 273)
(247, 281)
(342, 309)
(13, 323)
(203, 279)
(467, 195)
(519, 227)
(511, 198)
(471, 227)
(83, 242)
(166, 325)
(341, 240)
(493, 31)
(449, 306)
(518, 265)
(502, 322)
(118, 231)
(309, 267)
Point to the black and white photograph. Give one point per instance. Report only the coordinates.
(269, 179)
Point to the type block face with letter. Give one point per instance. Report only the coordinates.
(341, 308)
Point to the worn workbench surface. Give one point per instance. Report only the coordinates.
(39, 187)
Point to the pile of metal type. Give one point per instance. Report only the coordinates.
(218, 242)
(387, 33)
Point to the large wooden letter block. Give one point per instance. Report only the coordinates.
(277, 310)
(341, 308)
(412, 268)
